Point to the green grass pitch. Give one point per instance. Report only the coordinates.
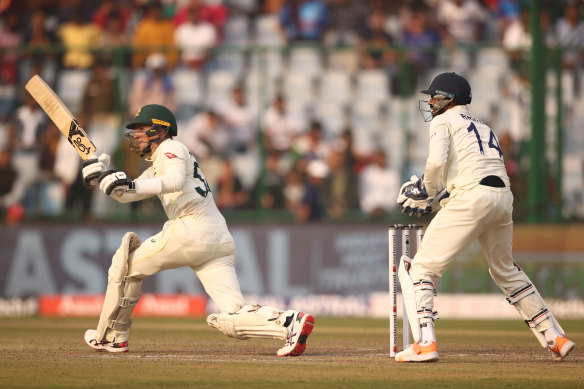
(341, 353)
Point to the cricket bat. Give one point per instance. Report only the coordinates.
(61, 116)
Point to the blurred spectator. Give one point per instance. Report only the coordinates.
(293, 187)
(79, 38)
(570, 36)
(8, 176)
(378, 186)
(312, 144)
(397, 16)
(154, 34)
(194, 38)
(462, 20)
(109, 10)
(517, 90)
(274, 180)
(11, 38)
(114, 40)
(376, 52)
(213, 12)
(281, 128)
(241, 119)
(516, 39)
(98, 109)
(154, 86)
(51, 194)
(352, 158)
(207, 137)
(510, 150)
(305, 20)
(67, 169)
(30, 120)
(268, 29)
(313, 204)
(39, 53)
(246, 7)
(510, 156)
(341, 184)
(49, 141)
(78, 198)
(506, 12)
(14, 214)
(230, 191)
(347, 19)
(421, 40)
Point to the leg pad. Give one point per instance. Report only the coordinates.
(251, 321)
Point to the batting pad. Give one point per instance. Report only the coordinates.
(251, 321)
(115, 295)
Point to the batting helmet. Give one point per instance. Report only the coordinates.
(452, 86)
(161, 122)
(154, 114)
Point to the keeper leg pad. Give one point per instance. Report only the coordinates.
(409, 297)
(122, 294)
(534, 312)
(528, 299)
(251, 321)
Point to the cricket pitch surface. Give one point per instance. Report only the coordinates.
(340, 353)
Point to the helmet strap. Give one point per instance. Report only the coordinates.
(147, 150)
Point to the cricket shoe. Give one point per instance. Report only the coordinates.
(112, 347)
(418, 353)
(561, 347)
(299, 325)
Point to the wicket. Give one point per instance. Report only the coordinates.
(400, 243)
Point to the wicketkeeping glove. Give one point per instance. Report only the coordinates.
(435, 203)
(115, 180)
(413, 197)
(416, 207)
(92, 169)
(412, 189)
(423, 207)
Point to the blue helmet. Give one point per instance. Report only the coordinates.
(451, 86)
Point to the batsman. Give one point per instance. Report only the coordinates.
(196, 235)
(466, 183)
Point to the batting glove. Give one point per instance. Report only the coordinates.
(116, 180)
(93, 167)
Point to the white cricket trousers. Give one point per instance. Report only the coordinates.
(207, 249)
(482, 213)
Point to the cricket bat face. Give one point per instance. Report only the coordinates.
(61, 116)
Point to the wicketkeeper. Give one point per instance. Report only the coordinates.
(195, 235)
(466, 178)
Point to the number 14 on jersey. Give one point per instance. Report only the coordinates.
(493, 142)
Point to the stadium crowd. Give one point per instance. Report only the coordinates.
(287, 104)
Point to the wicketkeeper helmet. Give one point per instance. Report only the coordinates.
(452, 86)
